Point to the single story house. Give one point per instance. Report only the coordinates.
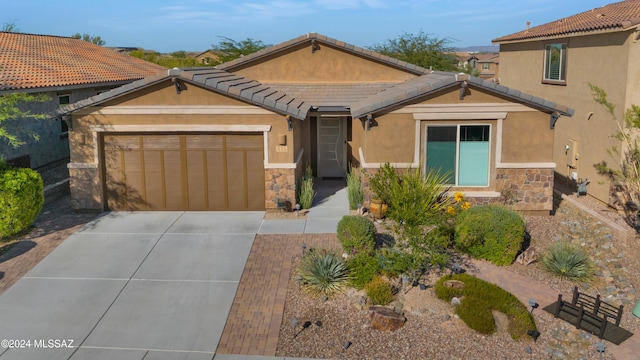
(239, 136)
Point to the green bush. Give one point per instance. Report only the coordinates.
(479, 298)
(304, 189)
(490, 232)
(362, 269)
(356, 234)
(355, 192)
(21, 199)
(395, 262)
(568, 261)
(323, 272)
(379, 291)
(381, 181)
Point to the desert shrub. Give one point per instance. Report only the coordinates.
(490, 232)
(379, 291)
(21, 199)
(479, 298)
(323, 272)
(362, 269)
(381, 181)
(395, 262)
(304, 189)
(569, 261)
(355, 192)
(356, 234)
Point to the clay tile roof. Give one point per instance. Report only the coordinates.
(620, 15)
(220, 81)
(30, 61)
(438, 80)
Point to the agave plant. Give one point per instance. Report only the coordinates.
(568, 261)
(323, 273)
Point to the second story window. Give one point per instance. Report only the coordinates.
(555, 63)
(485, 66)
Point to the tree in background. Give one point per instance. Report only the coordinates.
(11, 110)
(229, 49)
(95, 40)
(10, 27)
(420, 49)
(627, 158)
(177, 59)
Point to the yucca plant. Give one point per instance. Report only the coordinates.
(323, 273)
(568, 261)
(305, 189)
(355, 192)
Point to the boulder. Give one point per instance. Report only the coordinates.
(456, 284)
(385, 319)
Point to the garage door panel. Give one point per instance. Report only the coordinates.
(216, 180)
(236, 180)
(205, 142)
(197, 180)
(173, 180)
(161, 142)
(154, 180)
(184, 172)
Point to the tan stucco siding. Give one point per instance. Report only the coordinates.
(527, 138)
(324, 65)
(603, 60)
(392, 140)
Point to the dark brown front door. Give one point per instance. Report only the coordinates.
(184, 171)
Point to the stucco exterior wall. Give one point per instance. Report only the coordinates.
(527, 138)
(325, 65)
(609, 61)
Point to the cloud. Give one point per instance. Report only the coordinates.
(350, 4)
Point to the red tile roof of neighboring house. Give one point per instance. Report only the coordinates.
(620, 15)
(30, 61)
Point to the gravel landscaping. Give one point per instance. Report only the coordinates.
(339, 328)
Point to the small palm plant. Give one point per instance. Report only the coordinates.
(568, 261)
(323, 273)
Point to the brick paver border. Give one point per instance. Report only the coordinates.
(253, 325)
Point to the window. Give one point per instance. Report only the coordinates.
(485, 66)
(64, 100)
(461, 152)
(555, 62)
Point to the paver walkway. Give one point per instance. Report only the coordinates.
(254, 321)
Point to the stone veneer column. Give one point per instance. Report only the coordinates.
(84, 186)
(529, 189)
(279, 184)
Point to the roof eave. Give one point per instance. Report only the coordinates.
(565, 35)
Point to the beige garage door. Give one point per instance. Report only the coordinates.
(184, 171)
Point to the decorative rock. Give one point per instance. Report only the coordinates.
(455, 301)
(528, 256)
(385, 319)
(455, 284)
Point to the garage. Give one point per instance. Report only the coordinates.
(183, 171)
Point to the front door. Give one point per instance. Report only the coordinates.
(332, 147)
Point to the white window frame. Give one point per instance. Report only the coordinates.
(457, 158)
(485, 66)
(562, 73)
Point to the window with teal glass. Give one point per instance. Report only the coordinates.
(461, 152)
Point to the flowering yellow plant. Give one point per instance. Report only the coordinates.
(459, 204)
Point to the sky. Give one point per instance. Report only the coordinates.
(196, 25)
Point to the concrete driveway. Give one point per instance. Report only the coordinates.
(152, 285)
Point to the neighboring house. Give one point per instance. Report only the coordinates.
(487, 65)
(559, 60)
(208, 57)
(68, 70)
(237, 137)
